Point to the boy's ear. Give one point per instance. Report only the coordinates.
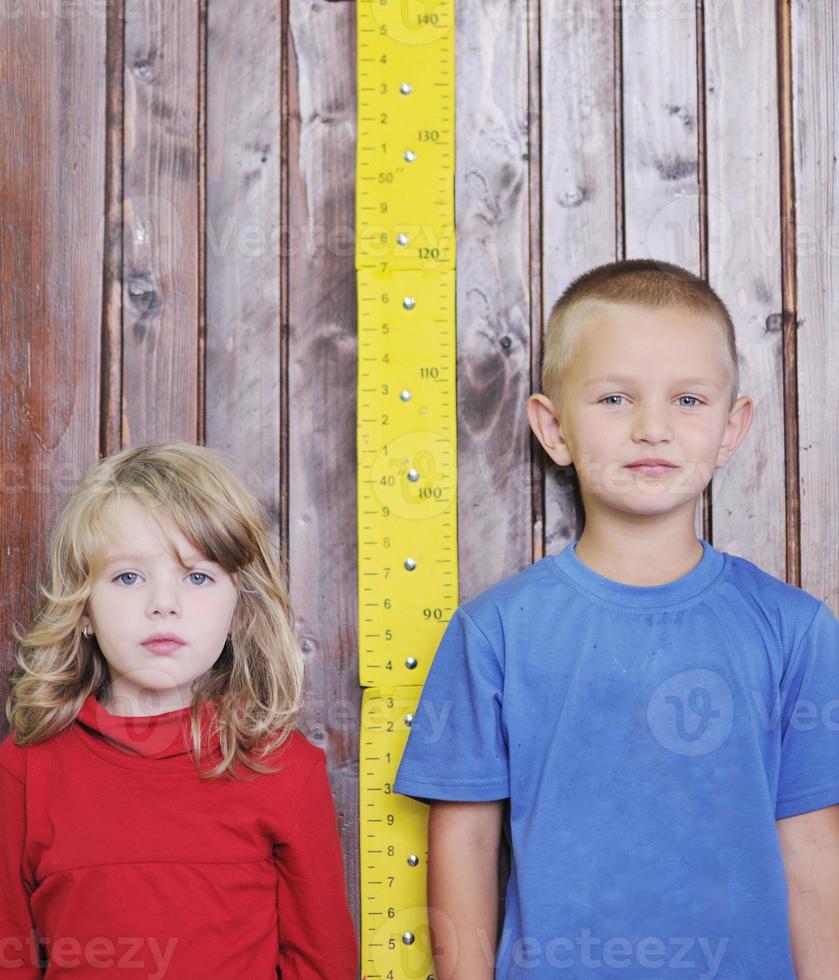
(738, 424)
(544, 420)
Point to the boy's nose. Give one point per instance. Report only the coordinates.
(651, 424)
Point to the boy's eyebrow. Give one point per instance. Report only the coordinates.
(622, 379)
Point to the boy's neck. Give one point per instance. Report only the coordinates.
(640, 556)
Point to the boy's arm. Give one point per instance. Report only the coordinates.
(463, 846)
(810, 846)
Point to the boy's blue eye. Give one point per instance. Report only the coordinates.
(201, 574)
(696, 400)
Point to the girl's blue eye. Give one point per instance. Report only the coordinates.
(122, 575)
(201, 574)
(610, 396)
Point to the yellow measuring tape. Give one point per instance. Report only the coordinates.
(407, 441)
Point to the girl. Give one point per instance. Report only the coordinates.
(159, 814)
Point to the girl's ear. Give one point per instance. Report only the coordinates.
(84, 620)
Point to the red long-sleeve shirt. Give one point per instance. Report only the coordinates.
(117, 860)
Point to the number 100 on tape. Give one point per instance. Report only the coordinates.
(407, 450)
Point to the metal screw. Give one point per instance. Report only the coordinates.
(410, 156)
(411, 663)
(410, 564)
(413, 476)
(405, 88)
(409, 302)
(409, 720)
(401, 238)
(408, 938)
(413, 860)
(405, 395)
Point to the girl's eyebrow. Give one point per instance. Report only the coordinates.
(193, 558)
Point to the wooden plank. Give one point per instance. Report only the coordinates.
(790, 293)
(242, 243)
(161, 222)
(744, 266)
(321, 390)
(664, 204)
(660, 163)
(580, 120)
(815, 40)
(110, 402)
(52, 69)
(493, 292)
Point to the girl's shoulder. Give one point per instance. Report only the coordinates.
(13, 757)
(296, 757)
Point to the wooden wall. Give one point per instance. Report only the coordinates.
(176, 252)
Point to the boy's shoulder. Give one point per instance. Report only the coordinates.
(517, 593)
(739, 580)
(774, 596)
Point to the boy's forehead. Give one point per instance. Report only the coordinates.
(626, 341)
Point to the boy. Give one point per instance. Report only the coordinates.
(652, 723)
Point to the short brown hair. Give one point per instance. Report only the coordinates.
(636, 282)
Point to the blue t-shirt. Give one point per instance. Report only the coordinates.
(647, 738)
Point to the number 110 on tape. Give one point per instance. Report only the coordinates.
(407, 490)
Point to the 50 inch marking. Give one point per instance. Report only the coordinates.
(405, 146)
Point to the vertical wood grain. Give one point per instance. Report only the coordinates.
(493, 292)
(52, 117)
(660, 133)
(580, 121)
(744, 266)
(161, 250)
(539, 460)
(110, 378)
(665, 208)
(789, 292)
(815, 80)
(584, 130)
(322, 356)
(242, 243)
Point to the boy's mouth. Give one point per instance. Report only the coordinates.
(652, 467)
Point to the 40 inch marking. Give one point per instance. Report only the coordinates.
(407, 455)
(407, 472)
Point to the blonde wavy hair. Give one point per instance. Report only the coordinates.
(257, 681)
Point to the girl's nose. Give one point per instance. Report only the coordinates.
(163, 599)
